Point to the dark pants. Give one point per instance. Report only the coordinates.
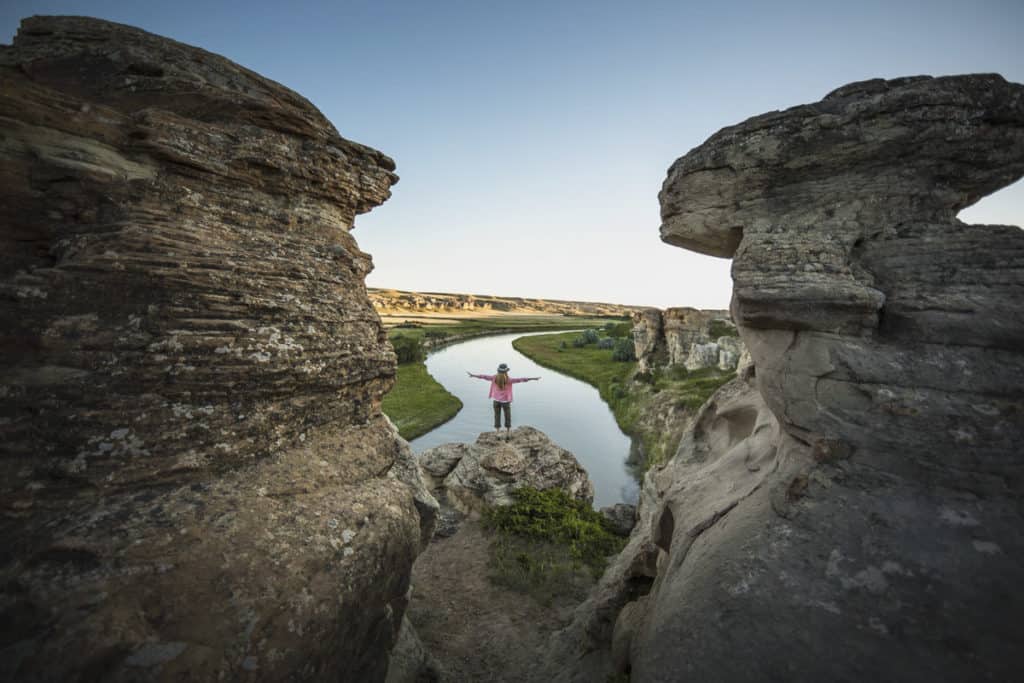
(498, 408)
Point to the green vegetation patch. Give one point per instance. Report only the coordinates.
(631, 397)
(720, 328)
(587, 362)
(418, 403)
(548, 544)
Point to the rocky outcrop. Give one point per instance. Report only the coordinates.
(393, 302)
(197, 481)
(685, 337)
(852, 511)
(485, 473)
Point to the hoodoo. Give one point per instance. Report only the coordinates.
(848, 509)
(197, 482)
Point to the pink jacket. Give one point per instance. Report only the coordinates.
(499, 394)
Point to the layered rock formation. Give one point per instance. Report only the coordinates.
(471, 476)
(852, 512)
(686, 337)
(396, 303)
(197, 481)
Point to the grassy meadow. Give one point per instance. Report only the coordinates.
(632, 396)
(418, 403)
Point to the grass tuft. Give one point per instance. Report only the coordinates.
(548, 544)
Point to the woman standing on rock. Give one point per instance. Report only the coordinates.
(501, 393)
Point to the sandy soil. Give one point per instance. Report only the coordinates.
(475, 630)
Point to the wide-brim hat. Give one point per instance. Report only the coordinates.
(502, 368)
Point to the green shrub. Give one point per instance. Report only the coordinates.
(624, 351)
(722, 328)
(408, 349)
(606, 343)
(590, 336)
(618, 330)
(553, 516)
(579, 342)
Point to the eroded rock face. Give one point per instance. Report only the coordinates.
(850, 512)
(196, 477)
(396, 303)
(685, 337)
(470, 476)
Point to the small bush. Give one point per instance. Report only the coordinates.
(553, 516)
(618, 330)
(606, 343)
(562, 346)
(590, 336)
(624, 351)
(408, 349)
(579, 342)
(722, 328)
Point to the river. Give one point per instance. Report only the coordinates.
(569, 411)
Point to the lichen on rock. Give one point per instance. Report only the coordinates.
(196, 476)
(856, 492)
(485, 473)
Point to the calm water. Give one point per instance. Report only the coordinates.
(566, 409)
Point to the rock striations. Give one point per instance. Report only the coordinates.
(197, 481)
(849, 509)
(393, 302)
(686, 337)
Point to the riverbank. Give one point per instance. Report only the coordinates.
(655, 408)
(418, 403)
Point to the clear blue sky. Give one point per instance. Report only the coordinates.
(532, 137)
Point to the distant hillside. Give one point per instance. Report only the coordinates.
(394, 302)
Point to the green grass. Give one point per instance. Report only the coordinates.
(629, 397)
(470, 327)
(589, 363)
(418, 403)
(548, 544)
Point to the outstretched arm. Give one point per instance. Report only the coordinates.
(486, 377)
(517, 380)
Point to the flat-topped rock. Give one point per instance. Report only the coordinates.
(470, 476)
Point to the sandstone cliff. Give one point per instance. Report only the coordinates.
(197, 481)
(852, 510)
(395, 302)
(686, 337)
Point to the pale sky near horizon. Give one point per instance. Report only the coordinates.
(532, 138)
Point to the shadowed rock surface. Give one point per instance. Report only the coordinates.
(197, 481)
(852, 511)
(470, 476)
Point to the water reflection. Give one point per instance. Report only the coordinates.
(569, 411)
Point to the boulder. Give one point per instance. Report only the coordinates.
(485, 473)
(621, 518)
(860, 484)
(196, 477)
